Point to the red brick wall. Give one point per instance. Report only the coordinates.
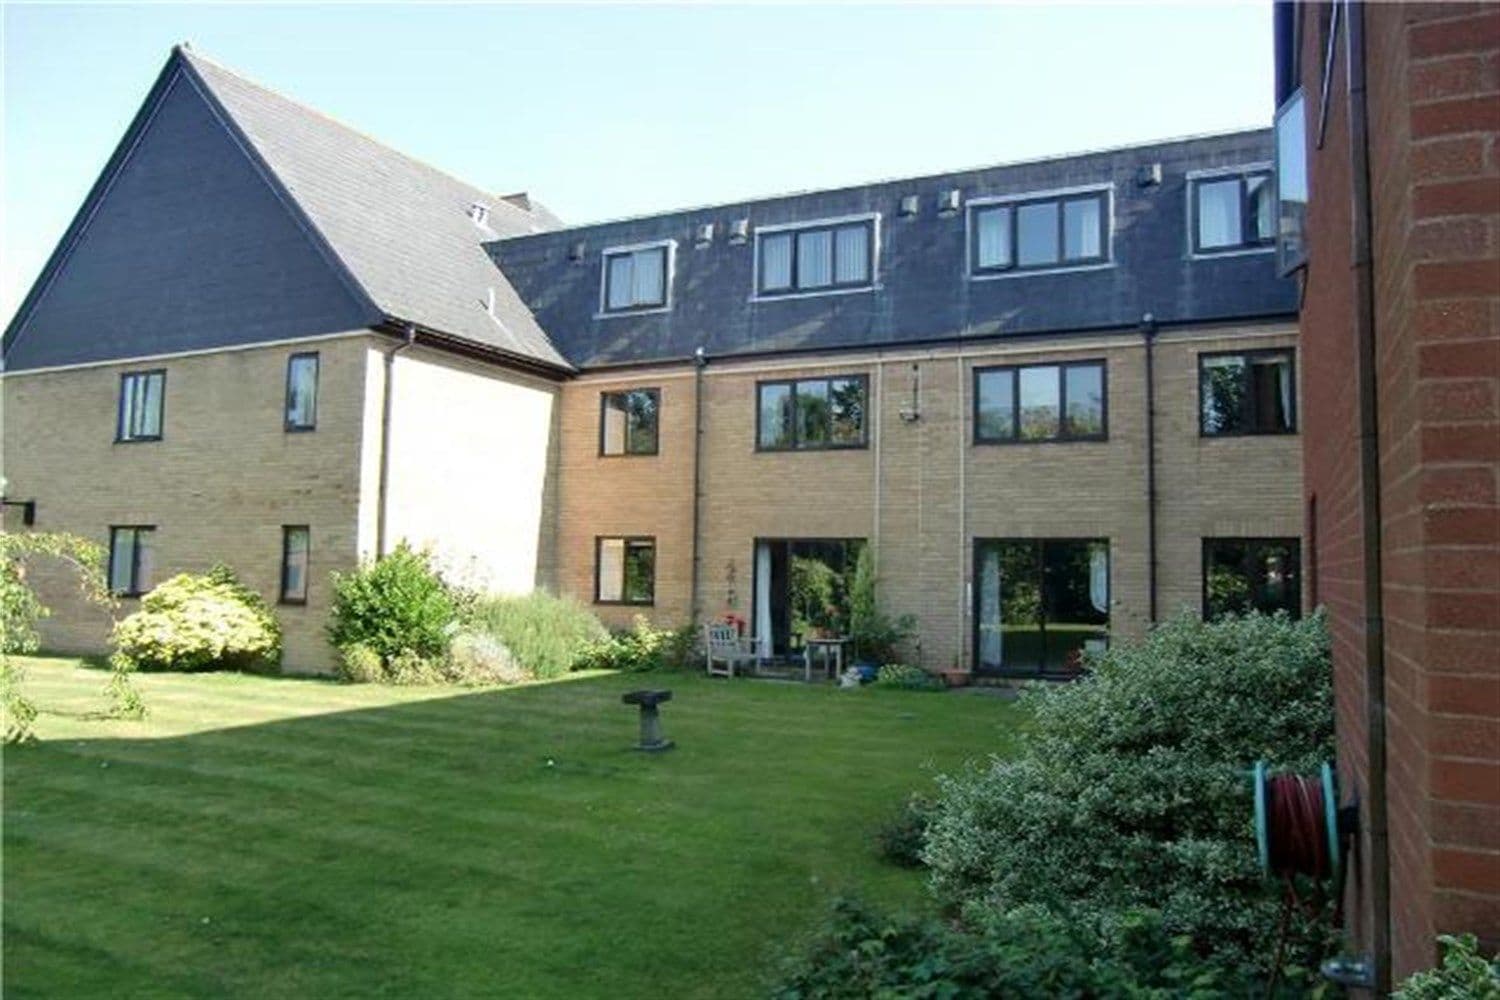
(1434, 116)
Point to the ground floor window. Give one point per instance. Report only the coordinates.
(1252, 574)
(296, 545)
(625, 570)
(1040, 603)
(131, 559)
(801, 591)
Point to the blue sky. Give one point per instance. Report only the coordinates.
(603, 111)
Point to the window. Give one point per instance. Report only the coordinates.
(1063, 402)
(1250, 393)
(815, 258)
(1236, 212)
(1291, 184)
(141, 397)
(624, 570)
(809, 414)
(296, 543)
(628, 422)
(636, 278)
(1241, 575)
(1034, 233)
(1039, 604)
(131, 559)
(302, 392)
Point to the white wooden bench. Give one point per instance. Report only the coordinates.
(724, 650)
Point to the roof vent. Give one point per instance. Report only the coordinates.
(948, 202)
(910, 205)
(704, 235)
(575, 252)
(520, 199)
(739, 231)
(1148, 175)
(479, 214)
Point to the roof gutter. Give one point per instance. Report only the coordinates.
(447, 342)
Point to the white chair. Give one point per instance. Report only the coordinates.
(723, 649)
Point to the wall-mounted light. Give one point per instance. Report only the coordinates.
(910, 205)
(1148, 175)
(575, 252)
(739, 232)
(704, 235)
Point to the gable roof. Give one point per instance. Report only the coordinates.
(398, 231)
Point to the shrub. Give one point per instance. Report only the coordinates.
(395, 604)
(200, 622)
(1026, 952)
(875, 633)
(479, 658)
(1132, 789)
(359, 664)
(899, 675)
(902, 836)
(547, 635)
(642, 649)
(1464, 974)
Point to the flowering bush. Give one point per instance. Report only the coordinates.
(207, 621)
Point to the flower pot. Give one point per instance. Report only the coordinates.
(957, 678)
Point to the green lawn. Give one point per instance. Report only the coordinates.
(262, 837)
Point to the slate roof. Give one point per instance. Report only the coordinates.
(400, 226)
(923, 292)
(396, 230)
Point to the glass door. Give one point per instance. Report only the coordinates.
(1039, 604)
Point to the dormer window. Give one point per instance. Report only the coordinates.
(832, 255)
(1039, 232)
(636, 278)
(1233, 211)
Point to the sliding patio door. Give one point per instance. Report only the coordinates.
(801, 585)
(1039, 604)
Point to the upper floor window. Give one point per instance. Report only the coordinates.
(1064, 402)
(628, 422)
(302, 392)
(131, 559)
(141, 397)
(1233, 211)
(296, 546)
(809, 414)
(816, 258)
(636, 278)
(1024, 233)
(1241, 575)
(1291, 183)
(625, 570)
(1247, 393)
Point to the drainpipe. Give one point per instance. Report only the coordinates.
(1369, 482)
(385, 437)
(700, 362)
(1148, 337)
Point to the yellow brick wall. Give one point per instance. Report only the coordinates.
(218, 487)
(903, 492)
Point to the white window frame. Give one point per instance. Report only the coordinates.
(972, 205)
(873, 218)
(604, 312)
(1191, 210)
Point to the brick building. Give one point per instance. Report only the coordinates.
(1389, 118)
(1056, 400)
